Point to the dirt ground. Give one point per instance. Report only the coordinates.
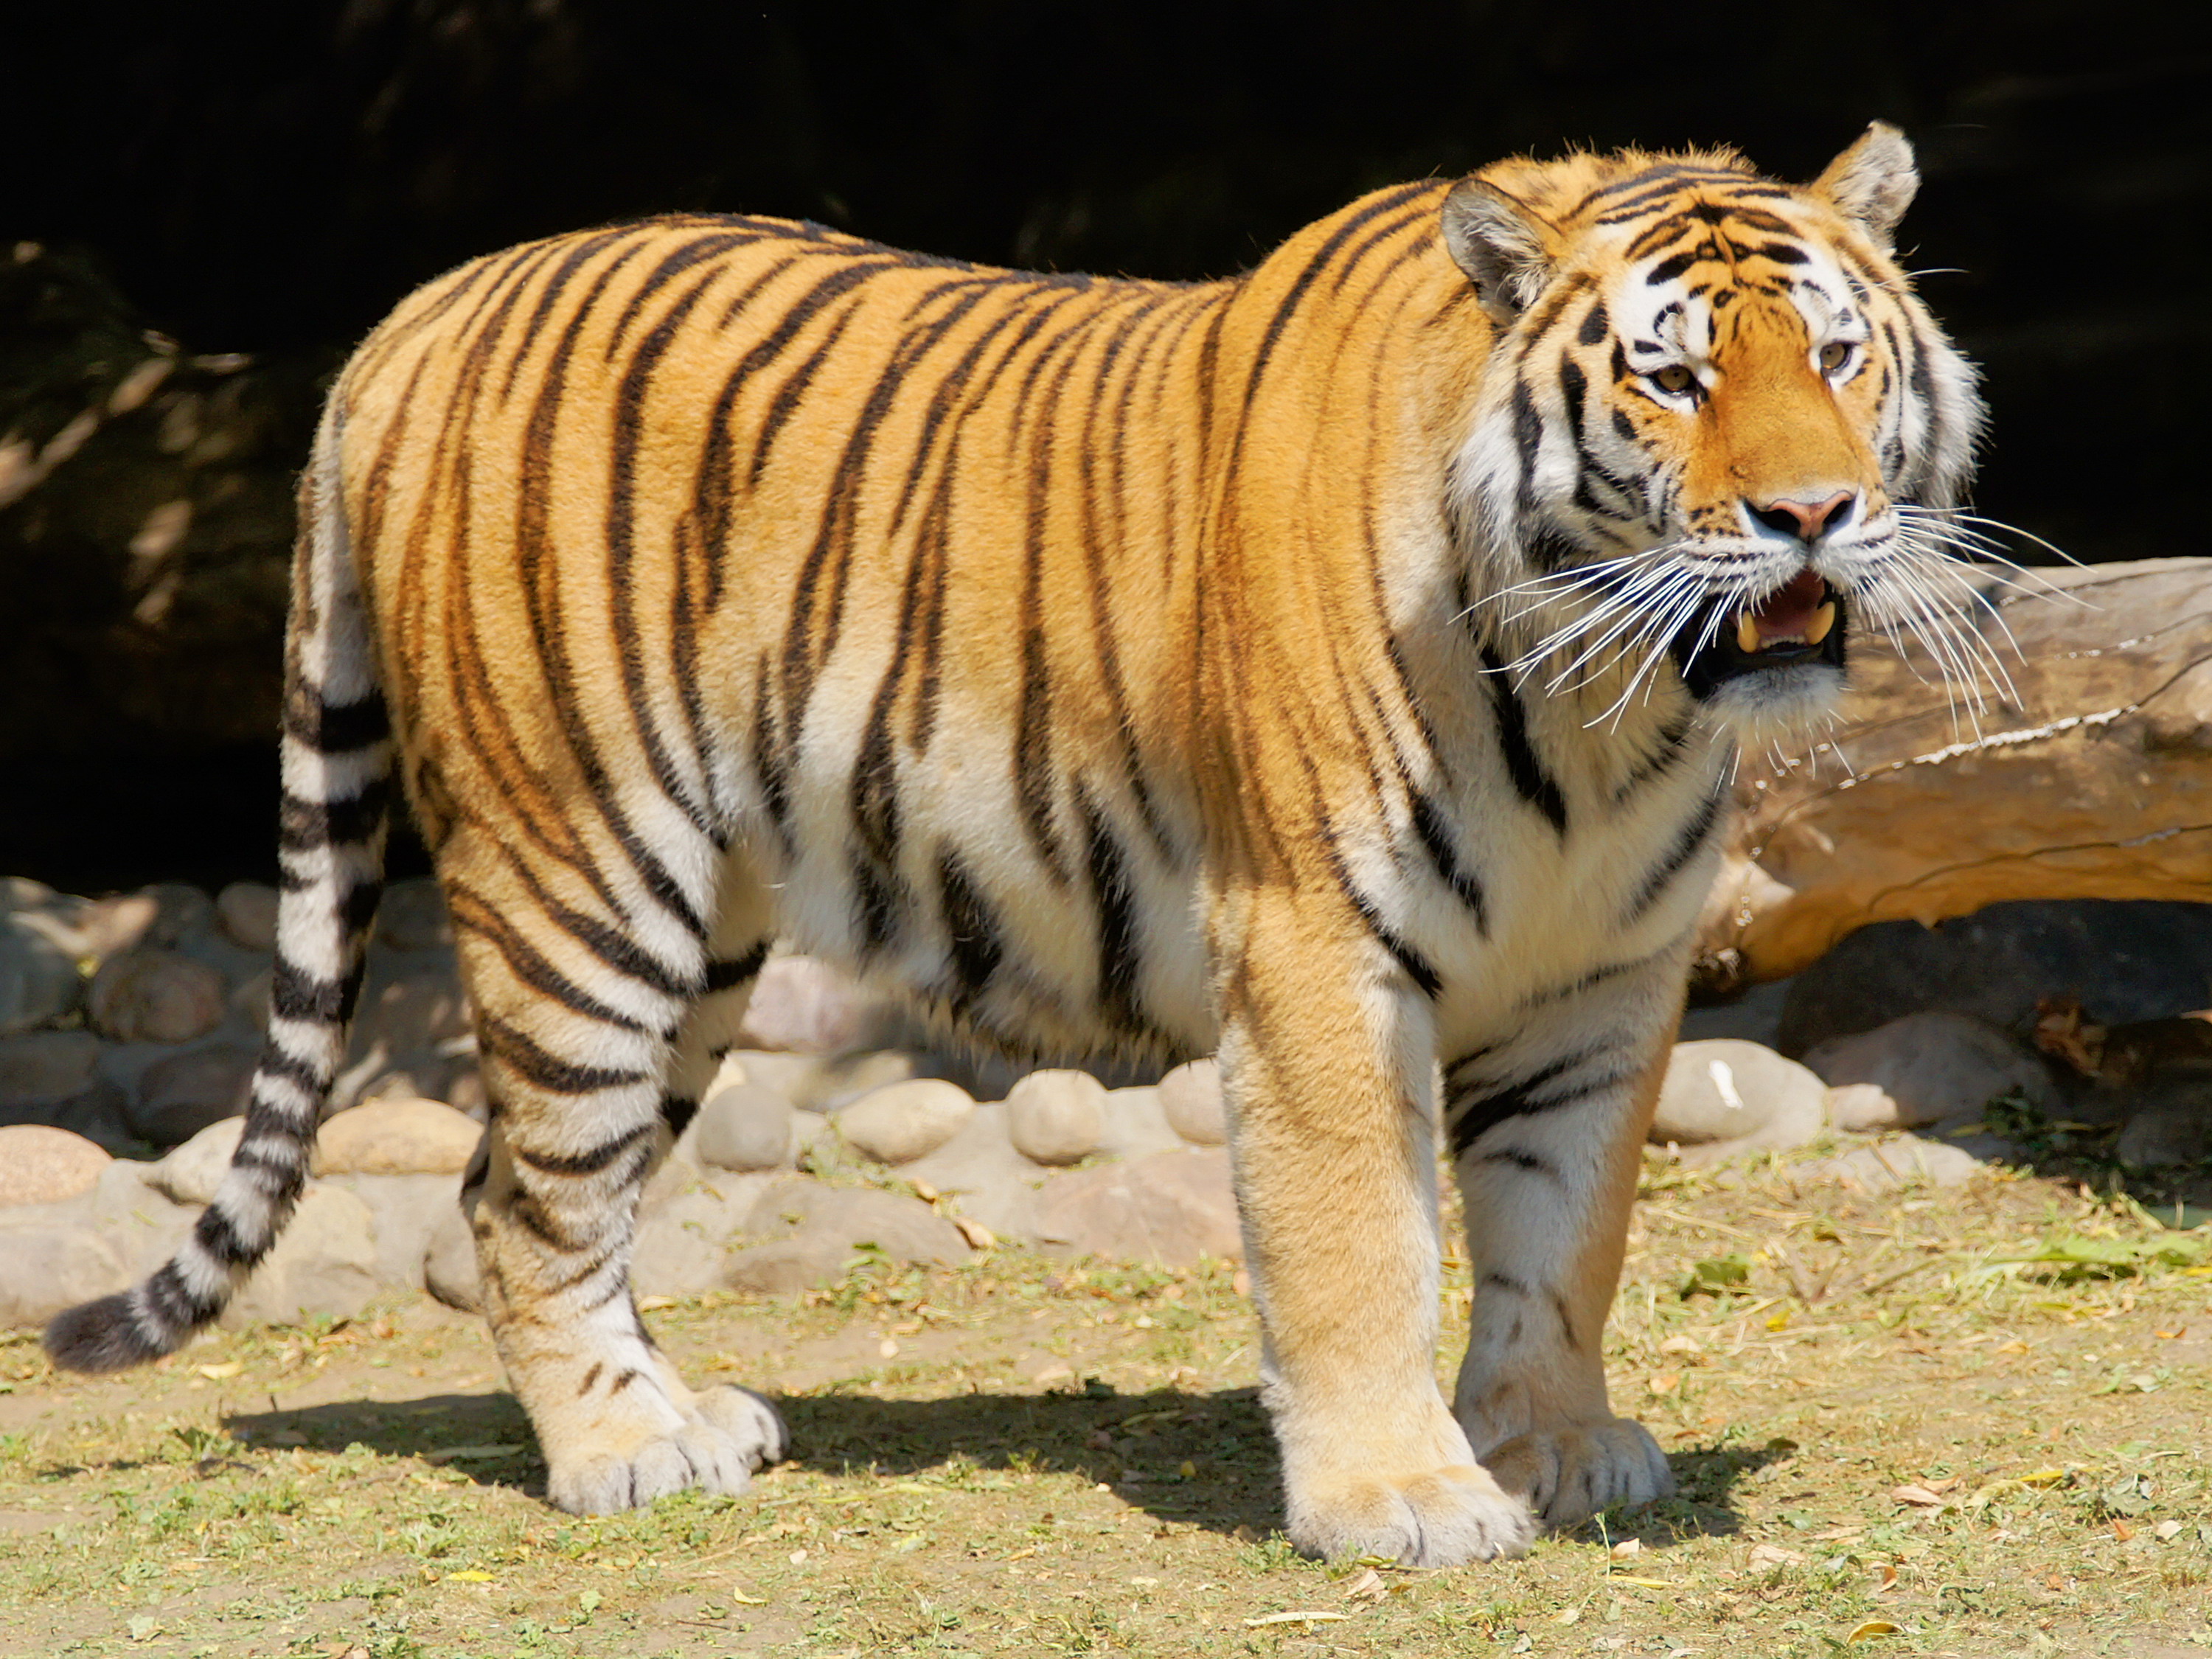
(1965, 1422)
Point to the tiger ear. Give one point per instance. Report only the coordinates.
(1872, 182)
(1502, 244)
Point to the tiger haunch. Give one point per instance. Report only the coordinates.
(1338, 666)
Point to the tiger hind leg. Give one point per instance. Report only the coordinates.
(590, 1088)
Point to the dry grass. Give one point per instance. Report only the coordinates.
(1927, 1424)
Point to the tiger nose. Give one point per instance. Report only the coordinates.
(1807, 520)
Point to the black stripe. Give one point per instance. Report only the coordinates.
(599, 1157)
(677, 1111)
(1436, 841)
(304, 826)
(336, 728)
(295, 993)
(1119, 925)
(1417, 967)
(727, 973)
(1521, 1160)
(1595, 322)
(971, 928)
(514, 1048)
(1687, 841)
(1531, 780)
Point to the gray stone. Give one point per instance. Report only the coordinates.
(39, 979)
(1135, 1124)
(155, 996)
(412, 916)
(406, 1215)
(323, 1265)
(1863, 1109)
(449, 1265)
(43, 1165)
(814, 1083)
(744, 1127)
(1754, 1017)
(1191, 1096)
(249, 1003)
(904, 1121)
(1171, 1208)
(134, 1215)
(2171, 1123)
(904, 1229)
(1057, 1117)
(2126, 960)
(47, 1268)
(1938, 1067)
(685, 1244)
(191, 1173)
(1725, 1090)
(180, 1095)
(785, 1267)
(108, 926)
(1893, 1162)
(397, 1137)
(100, 1114)
(979, 1167)
(41, 1070)
(183, 915)
(246, 912)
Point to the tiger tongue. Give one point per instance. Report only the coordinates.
(1799, 611)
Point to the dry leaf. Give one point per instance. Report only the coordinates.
(1627, 1547)
(1919, 1498)
(2063, 1031)
(1641, 1583)
(654, 1304)
(1241, 1284)
(1888, 1579)
(229, 1368)
(1368, 1587)
(2122, 1530)
(887, 1348)
(468, 1575)
(979, 1236)
(923, 1191)
(1306, 1616)
(1773, 1555)
(1872, 1628)
(1664, 1383)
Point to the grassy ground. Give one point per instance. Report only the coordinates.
(1969, 1422)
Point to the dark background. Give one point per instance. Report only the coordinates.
(269, 182)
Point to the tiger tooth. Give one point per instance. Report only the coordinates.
(1746, 634)
(1823, 620)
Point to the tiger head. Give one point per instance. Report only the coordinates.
(1716, 426)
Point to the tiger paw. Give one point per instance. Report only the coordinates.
(1443, 1517)
(1568, 1474)
(722, 1436)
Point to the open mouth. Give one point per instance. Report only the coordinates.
(1801, 622)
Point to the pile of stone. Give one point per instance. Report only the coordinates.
(128, 1028)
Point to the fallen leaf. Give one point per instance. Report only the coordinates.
(979, 1236)
(1567, 1616)
(1368, 1587)
(1919, 1497)
(1888, 1579)
(469, 1575)
(1241, 1284)
(228, 1367)
(1664, 1383)
(743, 1599)
(2122, 1530)
(923, 1191)
(1773, 1555)
(1872, 1628)
(1305, 1617)
(1626, 1546)
(654, 1304)
(1641, 1583)
(888, 1348)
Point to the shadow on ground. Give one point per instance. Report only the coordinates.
(1138, 1445)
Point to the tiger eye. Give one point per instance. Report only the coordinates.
(1675, 377)
(1834, 357)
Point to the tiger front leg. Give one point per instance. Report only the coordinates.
(1327, 1060)
(1547, 1151)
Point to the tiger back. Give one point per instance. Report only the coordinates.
(1338, 668)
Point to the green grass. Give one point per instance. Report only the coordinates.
(1975, 1417)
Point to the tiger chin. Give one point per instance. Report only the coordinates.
(1339, 668)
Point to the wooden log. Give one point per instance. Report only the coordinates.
(2088, 776)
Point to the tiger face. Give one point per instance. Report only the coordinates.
(1717, 430)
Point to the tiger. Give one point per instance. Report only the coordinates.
(1339, 668)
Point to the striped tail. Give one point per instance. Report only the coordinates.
(336, 769)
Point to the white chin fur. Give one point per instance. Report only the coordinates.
(1776, 705)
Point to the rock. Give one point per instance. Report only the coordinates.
(1057, 1117)
(406, 1215)
(108, 926)
(182, 1094)
(744, 1127)
(135, 1216)
(811, 1230)
(1863, 1109)
(1754, 1016)
(324, 1264)
(685, 1245)
(1135, 1124)
(155, 996)
(2081, 782)
(802, 1004)
(449, 1265)
(1742, 1096)
(39, 979)
(412, 916)
(41, 1070)
(101, 1115)
(249, 1003)
(45, 1269)
(1191, 1096)
(2171, 1123)
(1938, 1067)
(2125, 962)
(1172, 1208)
(43, 1166)
(1894, 1162)
(397, 1137)
(904, 1121)
(192, 1172)
(979, 1167)
(246, 912)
